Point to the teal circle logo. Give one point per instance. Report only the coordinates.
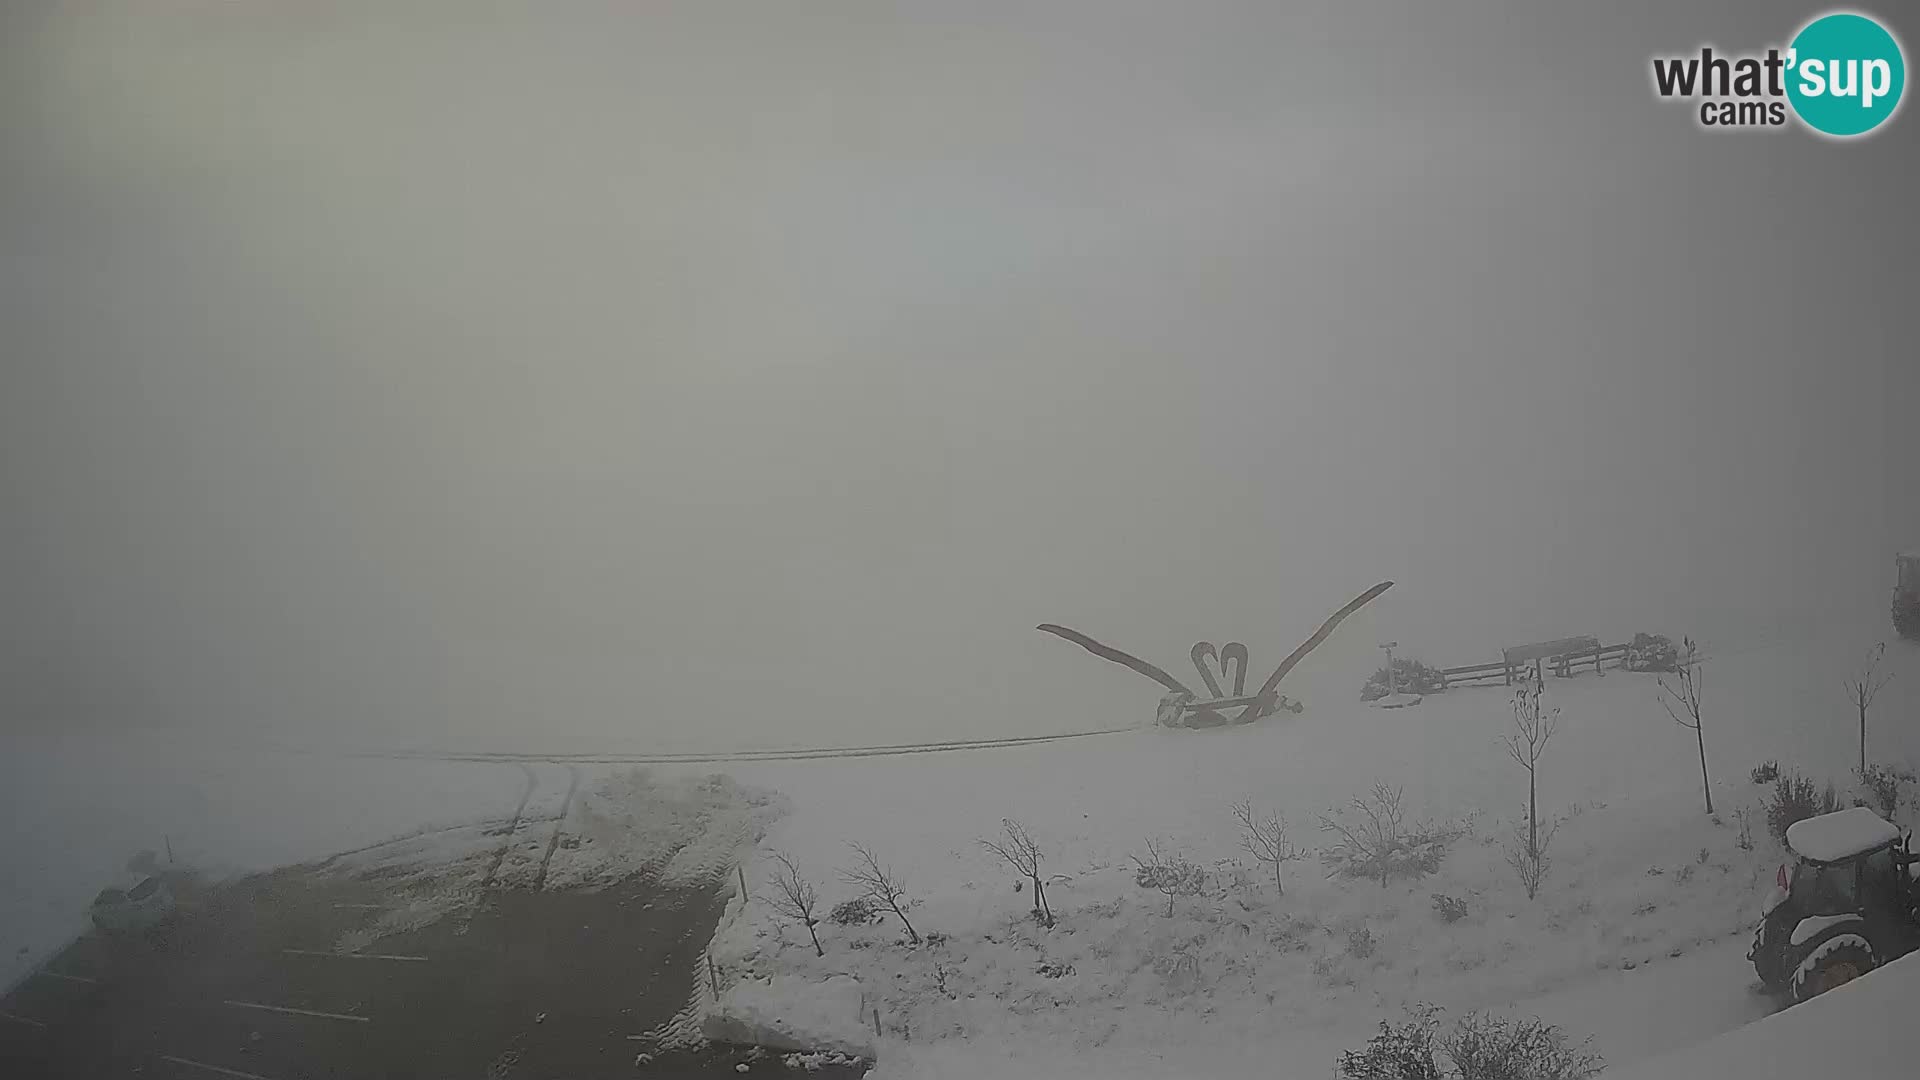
(1845, 74)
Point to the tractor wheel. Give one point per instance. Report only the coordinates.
(1836, 968)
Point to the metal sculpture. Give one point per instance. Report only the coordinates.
(1181, 707)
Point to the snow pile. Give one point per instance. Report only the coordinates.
(1855, 1030)
(789, 1013)
(1840, 835)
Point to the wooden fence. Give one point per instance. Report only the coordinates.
(1563, 665)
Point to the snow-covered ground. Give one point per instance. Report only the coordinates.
(1636, 939)
(1239, 981)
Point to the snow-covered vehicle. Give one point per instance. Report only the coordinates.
(141, 907)
(1849, 903)
(1906, 595)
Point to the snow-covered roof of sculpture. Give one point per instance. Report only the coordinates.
(1840, 835)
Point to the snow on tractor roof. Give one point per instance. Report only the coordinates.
(1840, 835)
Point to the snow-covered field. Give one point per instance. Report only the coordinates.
(1636, 939)
(1240, 981)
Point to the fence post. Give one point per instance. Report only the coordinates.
(876, 1023)
(743, 883)
(713, 977)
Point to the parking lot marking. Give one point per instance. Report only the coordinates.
(64, 975)
(297, 1012)
(353, 955)
(21, 1019)
(211, 1068)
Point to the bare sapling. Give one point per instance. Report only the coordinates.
(793, 897)
(1533, 727)
(1862, 687)
(1265, 838)
(1681, 698)
(880, 884)
(1022, 852)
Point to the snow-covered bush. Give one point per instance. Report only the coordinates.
(1170, 872)
(1881, 786)
(1652, 652)
(1372, 839)
(1796, 799)
(1401, 1051)
(854, 911)
(1449, 908)
(1480, 1047)
(1410, 676)
(1486, 1047)
(1765, 773)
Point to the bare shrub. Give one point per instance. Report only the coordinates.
(1882, 786)
(1526, 852)
(1486, 1047)
(1360, 942)
(793, 897)
(1022, 852)
(1862, 687)
(1450, 908)
(879, 884)
(1265, 838)
(1372, 839)
(1479, 1047)
(1681, 698)
(1765, 773)
(1744, 840)
(1170, 872)
(1402, 1051)
(1796, 799)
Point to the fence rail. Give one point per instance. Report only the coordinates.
(1562, 665)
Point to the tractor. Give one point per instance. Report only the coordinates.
(1906, 595)
(1849, 903)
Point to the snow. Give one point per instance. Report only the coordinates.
(1643, 881)
(788, 1013)
(1840, 835)
(1806, 928)
(1856, 1030)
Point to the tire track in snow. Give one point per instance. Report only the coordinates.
(513, 827)
(559, 822)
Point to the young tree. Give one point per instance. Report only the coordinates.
(1862, 687)
(1374, 839)
(1170, 872)
(1022, 853)
(1265, 838)
(1533, 725)
(1681, 698)
(793, 897)
(879, 884)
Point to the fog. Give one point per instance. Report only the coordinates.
(755, 374)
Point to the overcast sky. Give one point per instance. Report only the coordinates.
(766, 371)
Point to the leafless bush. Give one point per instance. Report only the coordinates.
(1022, 852)
(1882, 786)
(1526, 852)
(793, 897)
(854, 911)
(1373, 839)
(1265, 838)
(1486, 1047)
(1401, 1051)
(1765, 773)
(1360, 942)
(879, 884)
(1744, 840)
(1170, 872)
